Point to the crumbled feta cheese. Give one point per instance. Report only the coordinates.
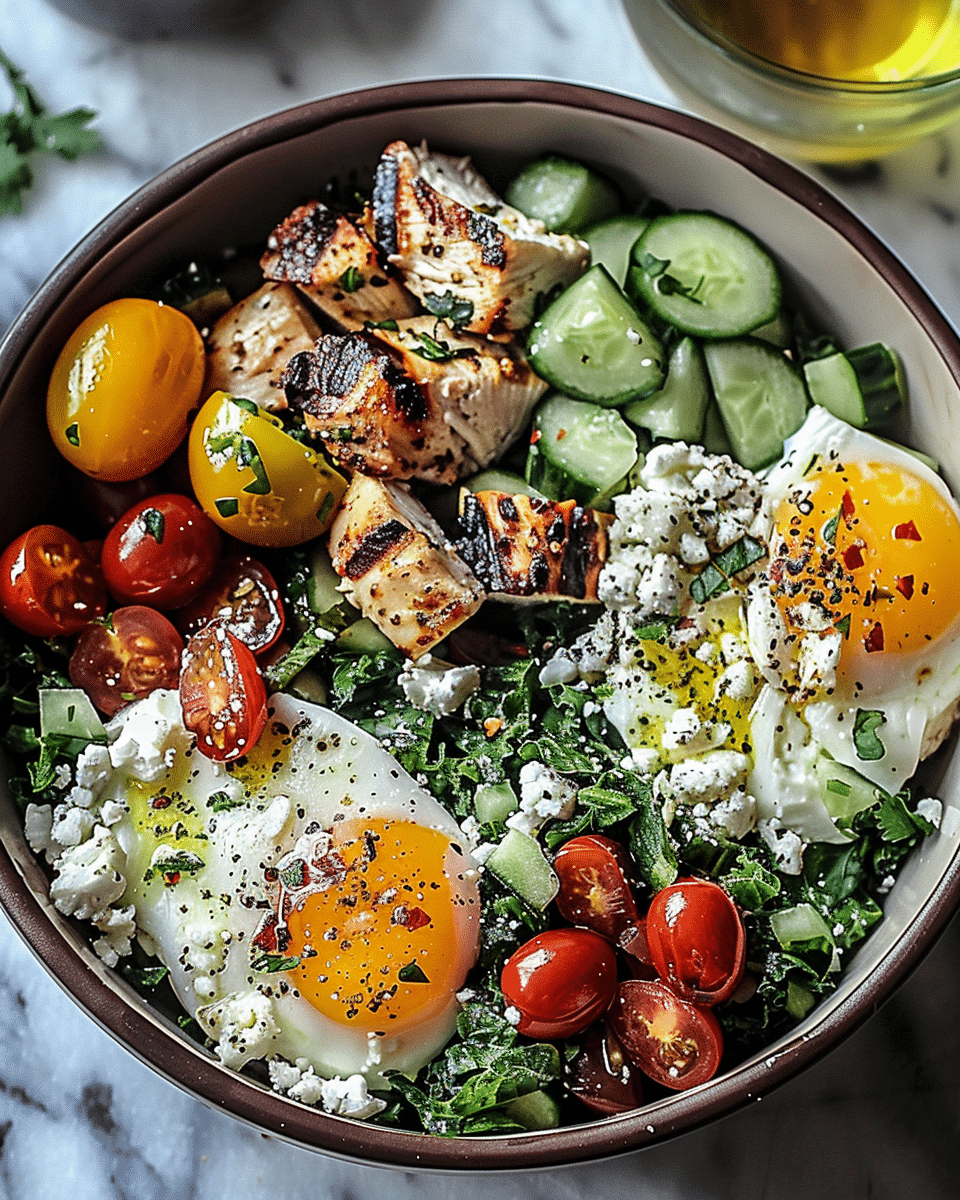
(37, 827)
(118, 927)
(706, 779)
(242, 1024)
(437, 687)
(559, 669)
(89, 876)
(682, 729)
(343, 1097)
(93, 767)
(512, 1015)
(785, 845)
(931, 810)
(544, 794)
(71, 826)
(147, 735)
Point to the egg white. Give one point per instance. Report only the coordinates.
(320, 768)
(918, 703)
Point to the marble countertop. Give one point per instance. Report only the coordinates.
(78, 1114)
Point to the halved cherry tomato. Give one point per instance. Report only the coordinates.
(560, 982)
(222, 694)
(126, 657)
(600, 1075)
(697, 940)
(594, 888)
(49, 584)
(244, 596)
(160, 552)
(676, 1043)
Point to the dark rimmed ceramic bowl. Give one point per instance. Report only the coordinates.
(233, 192)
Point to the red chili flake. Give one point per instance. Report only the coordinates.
(561, 434)
(853, 557)
(171, 878)
(160, 802)
(906, 532)
(266, 936)
(905, 585)
(874, 639)
(416, 918)
(847, 506)
(535, 437)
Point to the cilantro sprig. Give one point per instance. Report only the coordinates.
(29, 128)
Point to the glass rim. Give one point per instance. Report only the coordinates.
(807, 79)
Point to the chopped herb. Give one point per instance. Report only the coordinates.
(865, 739)
(223, 802)
(843, 625)
(389, 324)
(294, 875)
(173, 864)
(272, 963)
(351, 280)
(154, 523)
(325, 508)
(830, 529)
(669, 285)
(143, 977)
(227, 506)
(452, 309)
(438, 350)
(72, 434)
(412, 973)
(714, 579)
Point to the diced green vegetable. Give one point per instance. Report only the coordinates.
(565, 195)
(612, 240)
(519, 862)
(69, 713)
(579, 451)
(494, 802)
(678, 410)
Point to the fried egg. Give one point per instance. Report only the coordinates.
(310, 901)
(857, 618)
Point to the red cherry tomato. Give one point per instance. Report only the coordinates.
(160, 552)
(697, 940)
(126, 658)
(244, 596)
(600, 1075)
(560, 982)
(222, 694)
(49, 584)
(676, 1043)
(594, 888)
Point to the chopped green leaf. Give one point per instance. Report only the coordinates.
(72, 434)
(154, 523)
(865, 738)
(223, 802)
(453, 309)
(351, 280)
(227, 506)
(412, 973)
(389, 324)
(272, 963)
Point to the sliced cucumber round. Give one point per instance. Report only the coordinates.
(677, 411)
(592, 344)
(704, 275)
(865, 386)
(612, 240)
(579, 451)
(760, 395)
(565, 195)
(495, 480)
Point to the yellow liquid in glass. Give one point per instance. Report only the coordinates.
(866, 40)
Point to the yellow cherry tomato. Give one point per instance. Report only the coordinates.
(259, 484)
(122, 389)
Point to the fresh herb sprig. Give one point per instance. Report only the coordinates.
(29, 128)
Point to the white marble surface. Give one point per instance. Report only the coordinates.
(81, 1117)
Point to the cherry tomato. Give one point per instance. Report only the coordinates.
(160, 553)
(257, 482)
(49, 584)
(560, 982)
(122, 388)
(222, 694)
(676, 1043)
(594, 889)
(126, 657)
(244, 596)
(697, 940)
(600, 1075)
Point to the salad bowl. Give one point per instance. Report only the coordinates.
(231, 194)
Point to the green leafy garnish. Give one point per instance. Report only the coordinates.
(153, 522)
(351, 280)
(227, 506)
(72, 434)
(223, 802)
(389, 324)
(669, 285)
(173, 864)
(412, 973)
(437, 350)
(452, 309)
(272, 963)
(715, 577)
(865, 740)
(28, 128)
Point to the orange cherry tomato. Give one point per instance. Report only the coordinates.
(49, 584)
(126, 657)
(676, 1043)
(697, 940)
(244, 596)
(594, 888)
(161, 552)
(560, 982)
(222, 694)
(123, 387)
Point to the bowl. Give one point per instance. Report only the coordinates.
(233, 192)
(792, 112)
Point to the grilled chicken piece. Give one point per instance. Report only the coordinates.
(333, 261)
(398, 568)
(250, 345)
(457, 244)
(422, 406)
(524, 548)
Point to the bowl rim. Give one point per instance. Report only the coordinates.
(186, 1064)
(810, 80)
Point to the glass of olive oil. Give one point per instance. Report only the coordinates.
(826, 80)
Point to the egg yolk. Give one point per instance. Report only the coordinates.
(872, 550)
(377, 932)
